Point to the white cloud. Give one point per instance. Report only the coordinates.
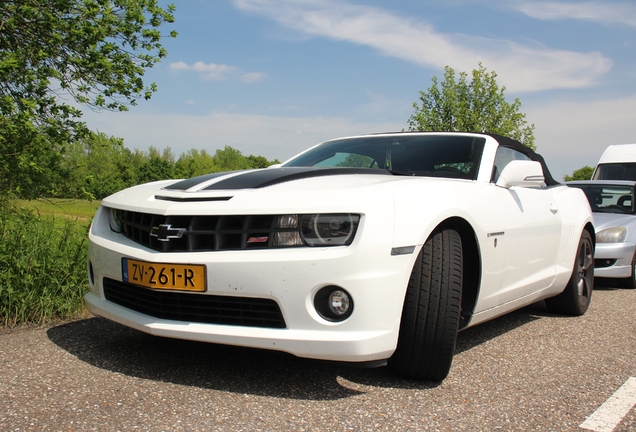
(251, 77)
(217, 72)
(520, 67)
(606, 12)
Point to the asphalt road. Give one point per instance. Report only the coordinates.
(530, 370)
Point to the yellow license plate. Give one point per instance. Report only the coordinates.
(189, 277)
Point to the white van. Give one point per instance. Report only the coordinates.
(618, 162)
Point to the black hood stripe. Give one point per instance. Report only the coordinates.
(270, 176)
(187, 184)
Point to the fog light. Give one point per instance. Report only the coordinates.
(339, 302)
(333, 303)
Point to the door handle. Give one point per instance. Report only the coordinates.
(554, 209)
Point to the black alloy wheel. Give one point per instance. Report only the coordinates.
(576, 297)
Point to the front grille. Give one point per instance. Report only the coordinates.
(198, 308)
(199, 233)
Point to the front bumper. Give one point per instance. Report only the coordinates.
(325, 344)
(291, 277)
(619, 254)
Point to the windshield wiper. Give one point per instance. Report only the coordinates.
(400, 173)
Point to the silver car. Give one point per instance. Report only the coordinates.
(613, 206)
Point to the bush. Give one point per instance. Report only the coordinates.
(584, 173)
(42, 267)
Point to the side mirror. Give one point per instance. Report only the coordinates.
(521, 173)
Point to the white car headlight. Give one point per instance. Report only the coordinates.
(324, 229)
(612, 235)
(328, 229)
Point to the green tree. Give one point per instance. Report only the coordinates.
(58, 54)
(260, 161)
(157, 166)
(97, 165)
(198, 162)
(194, 163)
(475, 106)
(230, 159)
(357, 161)
(584, 173)
(28, 160)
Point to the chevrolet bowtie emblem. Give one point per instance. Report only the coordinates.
(165, 232)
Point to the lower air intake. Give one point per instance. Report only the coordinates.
(196, 308)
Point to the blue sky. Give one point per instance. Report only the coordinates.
(273, 77)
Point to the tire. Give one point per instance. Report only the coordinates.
(431, 313)
(575, 298)
(630, 282)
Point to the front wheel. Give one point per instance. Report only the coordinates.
(575, 298)
(430, 317)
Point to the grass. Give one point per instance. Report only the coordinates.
(73, 208)
(43, 253)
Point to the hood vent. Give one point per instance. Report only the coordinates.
(192, 199)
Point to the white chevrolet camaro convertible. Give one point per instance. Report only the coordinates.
(370, 249)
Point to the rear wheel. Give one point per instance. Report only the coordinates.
(430, 317)
(575, 298)
(630, 282)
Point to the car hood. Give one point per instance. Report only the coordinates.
(261, 178)
(275, 189)
(608, 220)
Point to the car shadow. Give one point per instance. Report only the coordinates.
(116, 348)
(609, 284)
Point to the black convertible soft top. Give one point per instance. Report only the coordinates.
(505, 142)
(516, 145)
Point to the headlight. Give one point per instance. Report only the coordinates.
(328, 229)
(114, 219)
(325, 229)
(612, 235)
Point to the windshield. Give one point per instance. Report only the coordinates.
(412, 155)
(616, 171)
(609, 198)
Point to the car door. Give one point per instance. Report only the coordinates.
(523, 234)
